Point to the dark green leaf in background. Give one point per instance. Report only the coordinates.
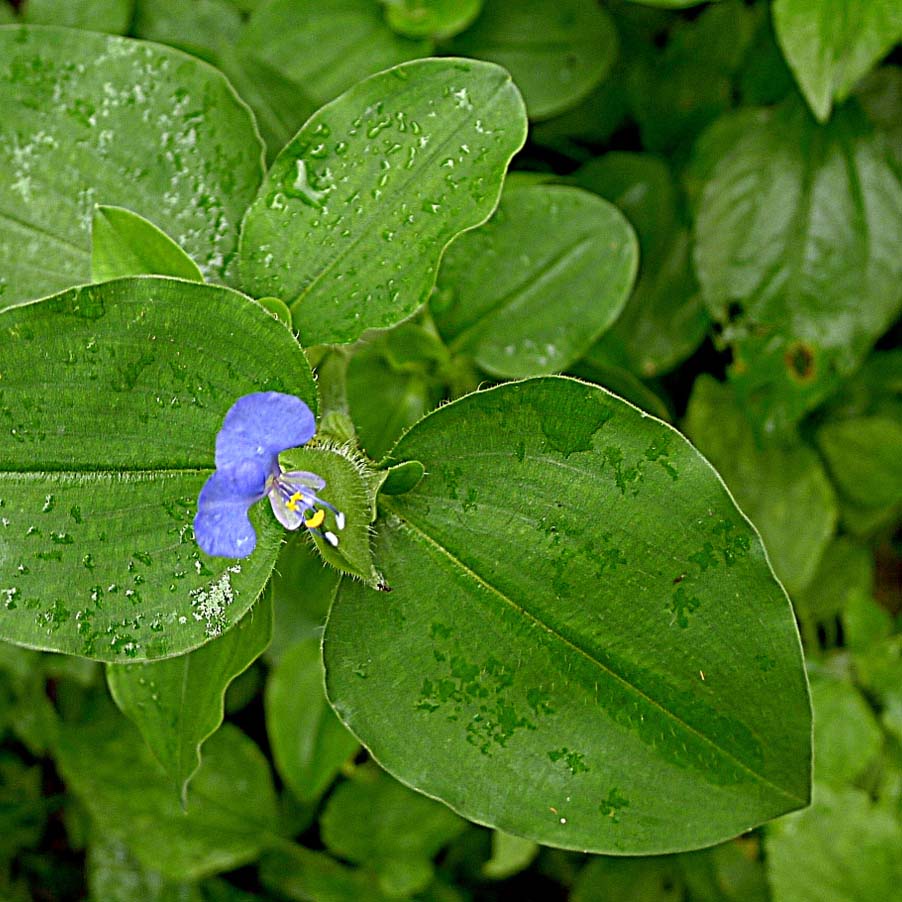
(373, 820)
(664, 320)
(111, 16)
(325, 47)
(831, 44)
(797, 254)
(110, 402)
(417, 152)
(178, 703)
(201, 27)
(556, 52)
(309, 743)
(575, 597)
(846, 571)
(847, 736)
(302, 587)
(302, 874)
(531, 290)
(115, 876)
(844, 848)
(231, 815)
(510, 855)
(779, 484)
(678, 90)
(392, 383)
(863, 455)
(87, 119)
(126, 244)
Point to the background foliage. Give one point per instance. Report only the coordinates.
(705, 220)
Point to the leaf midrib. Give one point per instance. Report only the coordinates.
(531, 282)
(611, 674)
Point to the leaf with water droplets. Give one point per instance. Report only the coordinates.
(531, 290)
(178, 703)
(574, 596)
(88, 118)
(557, 52)
(126, 244)
(99, 477)
(353, 217)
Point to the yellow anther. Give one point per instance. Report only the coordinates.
(292, 502)
(316, 520)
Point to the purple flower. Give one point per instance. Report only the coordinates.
(255, 430)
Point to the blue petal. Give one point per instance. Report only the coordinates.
(255, 430)
(222, 527)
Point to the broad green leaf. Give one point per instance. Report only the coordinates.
(230, 820)
(350, 487)
(780, 485)
(594, 367)
(302, 587)
(863, 455)
(531, 290)
(115, 876)
(87, 118)
(126, 244)
(510, 855)
(309, 743)
(847, 736)
(111, 16)
(325, 47)
(353, 217)
(796, 253)
(831, 44)
(99, 480)
(641, 185)
(178, 703)
(556, 52)
(575, 596)
(201, 27)
(842, 849)
(373, 820)
(302, 874)
(431, 18)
